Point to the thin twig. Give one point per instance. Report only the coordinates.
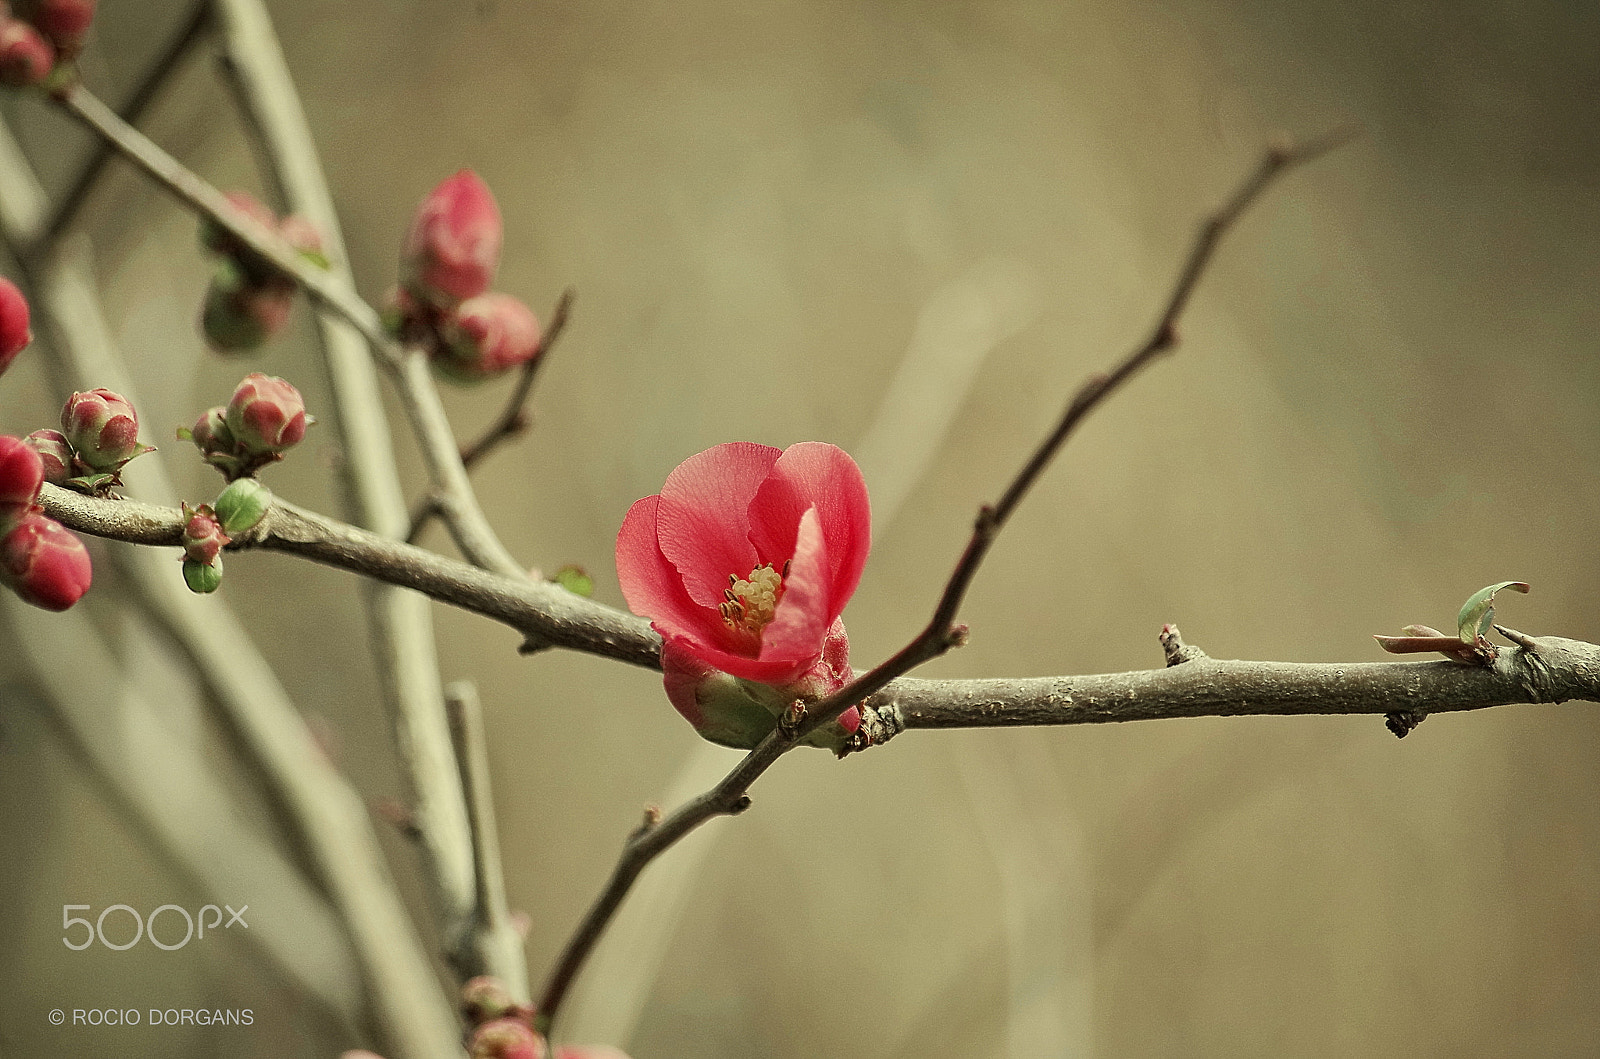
(458, 505)
(512, 422)
(138, 102)
(490, 945)
(401, 622)
(941, 633)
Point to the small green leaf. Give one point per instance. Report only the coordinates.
(574, 579)
(1477, 613)
(185, 434)
(317, 258)
(241, 505)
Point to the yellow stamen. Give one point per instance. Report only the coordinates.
(749, 604)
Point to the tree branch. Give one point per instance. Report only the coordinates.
(458, 505)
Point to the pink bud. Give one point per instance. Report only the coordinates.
(25, 56)
(453, 248)
(203, 538)
(266, 415)
(44, 563)
(21, 471)
(65, 22)
(14, 332)
(301, 234)
(54, 453)
(506, 1039)
(102, 428)
(488, 335)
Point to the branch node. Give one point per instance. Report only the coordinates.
(957, 636)
(1176, 650)
(1401, 722)
(739, 805)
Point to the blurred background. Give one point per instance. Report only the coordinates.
(911, 229)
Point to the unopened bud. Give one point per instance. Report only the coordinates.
(266, 415)
(488, 335)
(54, 453)
(239, 315)
(242, 505)
(103, 430)
(21, 471)
(65, 22)
(203, 537)
(26, 58)
(506, 1039)
(44, 563)
(453, 248)
(14, 331)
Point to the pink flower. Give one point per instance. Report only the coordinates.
(488, 335)
(453, 248)
(14, 332)
(44, 563)
(744, 563)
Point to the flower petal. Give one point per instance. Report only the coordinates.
(814, 474)
(703, 523)
(802, 618)
(650, 583)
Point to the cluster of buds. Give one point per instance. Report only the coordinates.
(444, 303)
(208, 529)
(39, 559)
(265, 417)
(249, 298)
(99, 434)
(36, 36)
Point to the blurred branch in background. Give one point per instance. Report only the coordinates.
(328, 820)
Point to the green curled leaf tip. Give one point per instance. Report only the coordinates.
(1477, 613)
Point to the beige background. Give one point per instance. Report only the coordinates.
(1387, 397)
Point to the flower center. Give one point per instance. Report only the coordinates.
(750, 604)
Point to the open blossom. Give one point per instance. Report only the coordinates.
(744, 562)
(452, 251)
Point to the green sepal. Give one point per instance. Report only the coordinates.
(1477, 613)
(241, 505)
(202, 578)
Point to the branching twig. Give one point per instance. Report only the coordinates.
(138, 102)
(401, 622)
(458, 505)
(941, 632)
(512, 422)
(490, 944)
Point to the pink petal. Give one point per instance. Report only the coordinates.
(702, 525)
(650, 583)
(814, 474)
(802, 618)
